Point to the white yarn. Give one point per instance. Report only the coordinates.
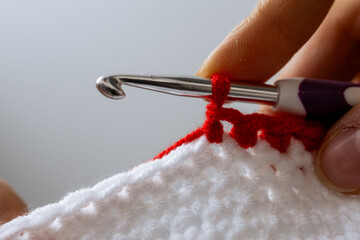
(202, 191)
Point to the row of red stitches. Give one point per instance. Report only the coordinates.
(277, 130)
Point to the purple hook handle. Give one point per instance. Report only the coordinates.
(327, 98)
(316, 98)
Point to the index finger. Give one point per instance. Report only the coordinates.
(262, 43)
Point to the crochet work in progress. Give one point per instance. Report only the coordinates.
(209, 185)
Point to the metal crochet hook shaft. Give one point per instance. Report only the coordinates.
(111, 87)
(300, 96)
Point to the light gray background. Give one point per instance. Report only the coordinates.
(57, 133)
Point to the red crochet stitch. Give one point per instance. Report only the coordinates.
(277, 130)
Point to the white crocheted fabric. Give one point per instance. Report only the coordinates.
(202, 191)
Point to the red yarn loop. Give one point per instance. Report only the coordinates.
(220, 90)
(213, 128)
(277, 130)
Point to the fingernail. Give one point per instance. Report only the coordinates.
(340, 159)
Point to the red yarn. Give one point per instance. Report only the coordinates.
(277, 130)
(188, 138)
(212, 127)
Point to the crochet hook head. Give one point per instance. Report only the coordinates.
(110, 87)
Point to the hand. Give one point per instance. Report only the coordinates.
(11, 205)
(325, 35)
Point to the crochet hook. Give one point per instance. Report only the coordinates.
(299, 96)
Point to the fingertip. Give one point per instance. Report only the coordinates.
(200, 73)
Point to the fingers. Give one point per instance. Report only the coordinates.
(262, 43)
(333, 52)
(338, 161)
(11, 205)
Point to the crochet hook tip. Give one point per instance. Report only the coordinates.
(110, 88)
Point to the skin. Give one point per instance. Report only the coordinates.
(304, 38)
(293, 33)
(260, 45)
(11, 204)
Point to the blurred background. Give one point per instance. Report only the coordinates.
(57, 132)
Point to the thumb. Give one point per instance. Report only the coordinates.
(338, 160)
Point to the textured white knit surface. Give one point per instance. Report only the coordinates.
(202, 191)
